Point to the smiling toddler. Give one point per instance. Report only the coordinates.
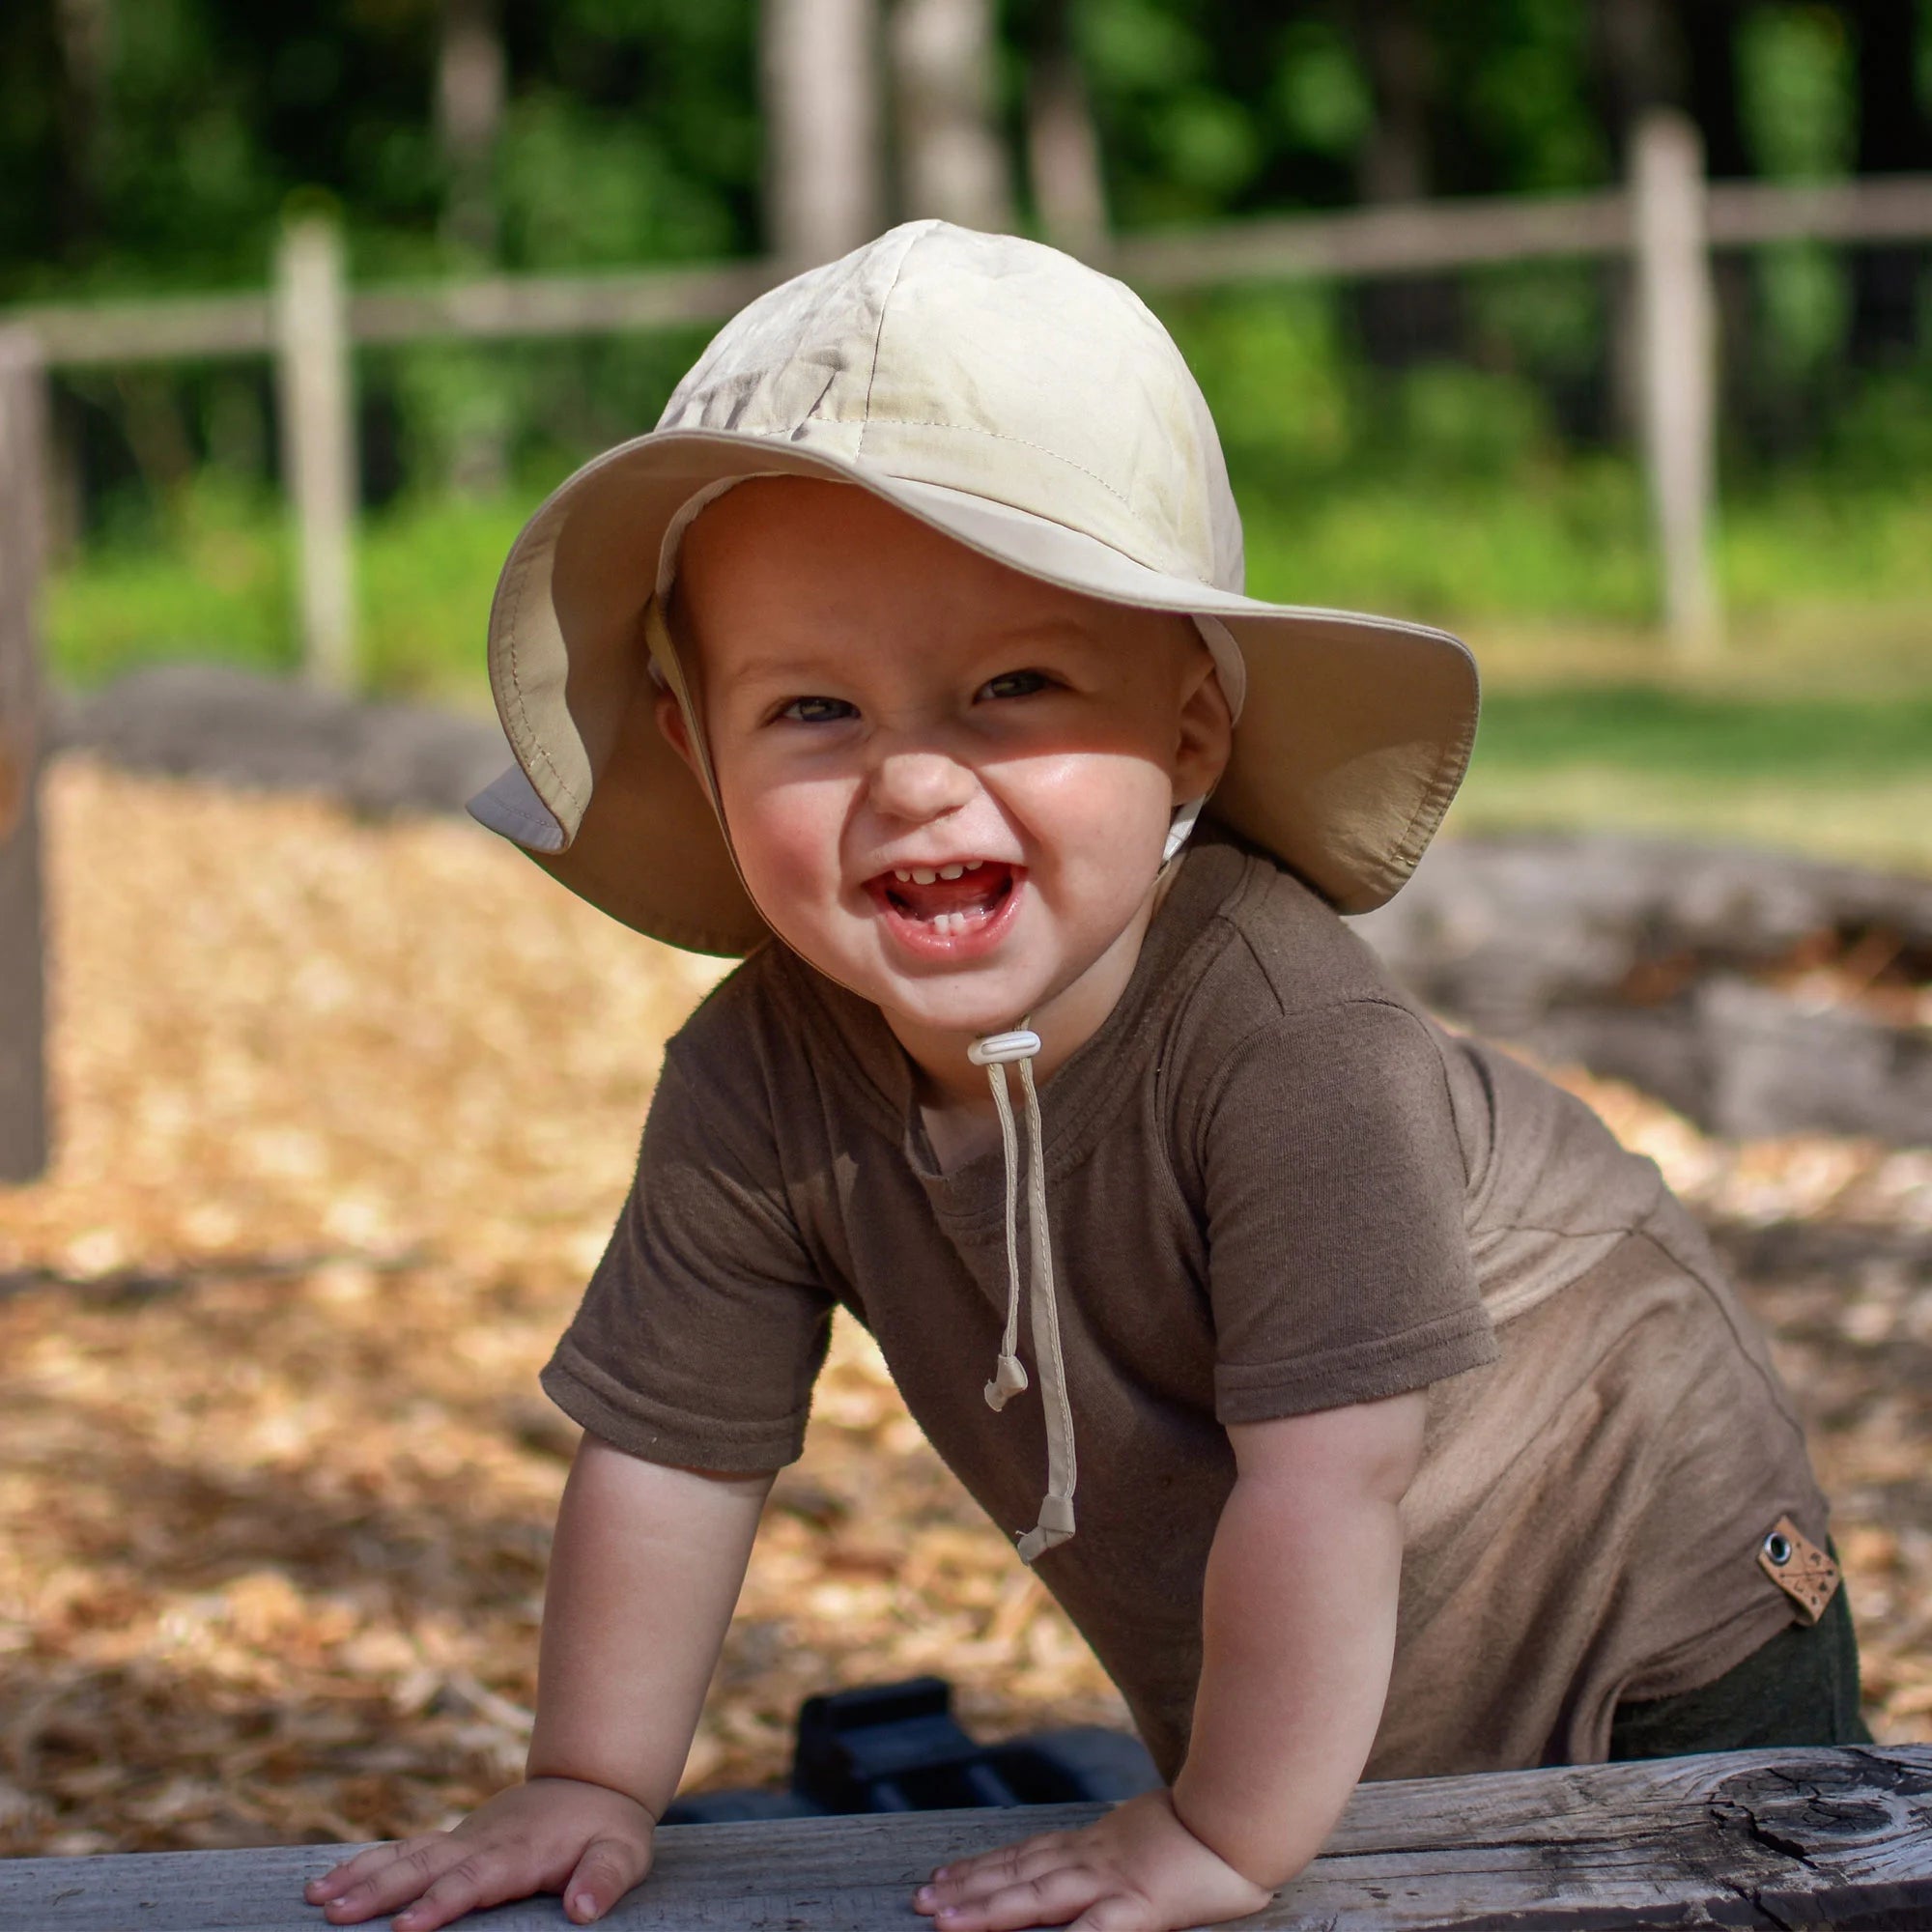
(1367, 1407)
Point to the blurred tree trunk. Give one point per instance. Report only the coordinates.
(1635, 66)
(469, 88)
(84, 36)
(1069, 192)
(819, 67)
(952, 162)
(85, 30)
(1894, 136)
(1416, 318)
(1710, 42)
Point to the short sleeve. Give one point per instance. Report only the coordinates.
(706, 1323)
(1333, 1178)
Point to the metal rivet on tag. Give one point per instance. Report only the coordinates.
(1802, 1571)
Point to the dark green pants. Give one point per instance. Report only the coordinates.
(1801, 1687)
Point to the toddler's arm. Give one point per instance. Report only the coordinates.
(644, 1575)
(1297, 1636)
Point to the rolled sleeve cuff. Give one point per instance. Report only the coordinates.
(657, 1432)
(1362, 1372)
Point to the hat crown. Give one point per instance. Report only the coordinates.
(991, 365)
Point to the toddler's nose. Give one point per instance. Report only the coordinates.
(920, 786)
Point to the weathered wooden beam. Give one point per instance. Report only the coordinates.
(534, 305)
(24, 469)
(1880, 207)
(1775, 1840)
(1392, 239)
(156, 328)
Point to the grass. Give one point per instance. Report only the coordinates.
(1813, 728)
(1846, 777)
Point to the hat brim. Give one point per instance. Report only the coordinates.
(1355, 736)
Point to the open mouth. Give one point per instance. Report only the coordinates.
(946, 904)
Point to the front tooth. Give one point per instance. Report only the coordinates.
(951, 871)
(921, 876)
(904, 878)
(974, 864)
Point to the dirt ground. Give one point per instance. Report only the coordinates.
(346, 1110)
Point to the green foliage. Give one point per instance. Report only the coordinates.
(1519, 72)
(581, 190)
(1796, 93)
(1320, 94)
(214, 581)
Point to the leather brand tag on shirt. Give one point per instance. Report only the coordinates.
(1799, 1568)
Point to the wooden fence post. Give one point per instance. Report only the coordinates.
(317, 396)
(24, 437)
(1676, 366)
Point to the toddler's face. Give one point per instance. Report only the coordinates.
(946, 784)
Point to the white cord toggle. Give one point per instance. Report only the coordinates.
(998, 1049)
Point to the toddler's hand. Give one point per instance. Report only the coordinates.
(552, 1834)
(1138, 1870)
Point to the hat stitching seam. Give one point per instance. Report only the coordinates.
(878, 337)
(1001, 435)
(537, 745)
(1434, 796)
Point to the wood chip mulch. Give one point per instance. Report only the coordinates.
(346, 1111)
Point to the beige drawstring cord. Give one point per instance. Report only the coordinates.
(1056, 1511)
(995, 1052)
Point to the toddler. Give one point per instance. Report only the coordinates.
(1366, 1406)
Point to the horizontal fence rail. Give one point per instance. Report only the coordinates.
(1400, 238)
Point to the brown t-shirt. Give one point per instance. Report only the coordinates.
(1275, 1186)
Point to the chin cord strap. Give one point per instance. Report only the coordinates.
(1056, 1512)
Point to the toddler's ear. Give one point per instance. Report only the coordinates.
(1205, 736)
(670, 721)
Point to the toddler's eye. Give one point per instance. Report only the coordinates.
(1014, 683)
(817, 710)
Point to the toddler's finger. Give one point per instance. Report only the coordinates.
(1001, 1859)
(1016, 1864)
(485, 1877)
(339, 1877)
(412, 1868)
(1059, 1896)
(608, 1869)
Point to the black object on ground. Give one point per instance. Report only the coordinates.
(899, 1747)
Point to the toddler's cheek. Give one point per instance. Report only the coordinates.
(787, 848)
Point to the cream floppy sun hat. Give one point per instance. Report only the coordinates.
(1030, 408)
(1035, 411)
